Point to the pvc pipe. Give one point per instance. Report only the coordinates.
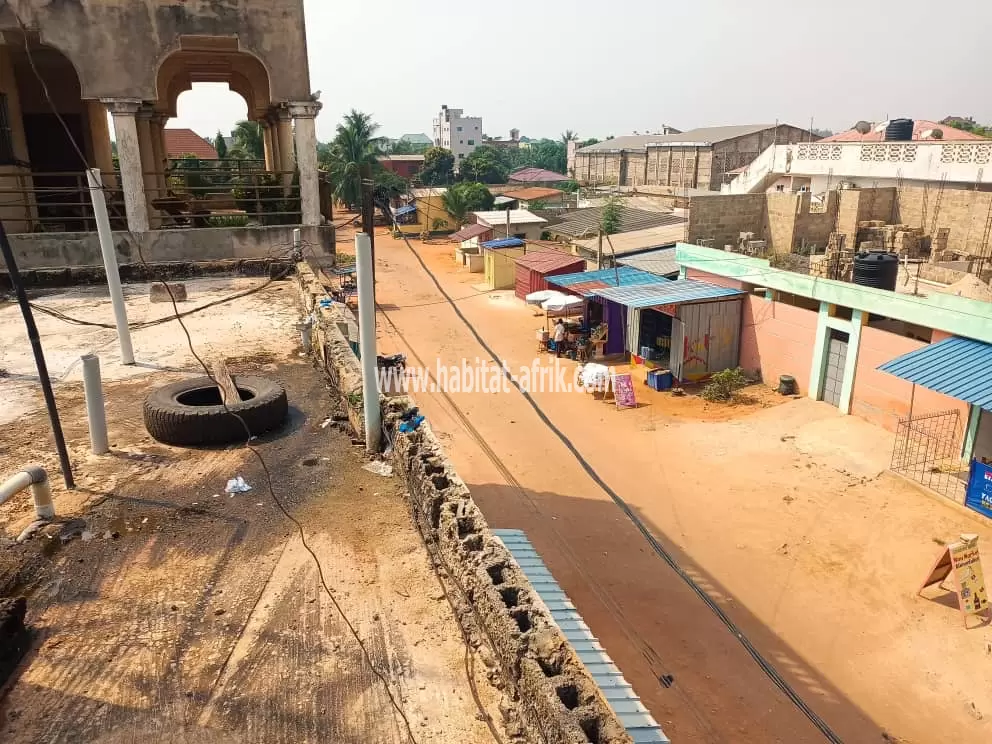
(35, 477)
(95, 412)
(366, 342)
(110, 264)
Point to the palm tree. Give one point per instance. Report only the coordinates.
(354, 146)
(248, 140)
(569, 136)
(456, 204)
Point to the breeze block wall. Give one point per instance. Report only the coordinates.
(559, 701)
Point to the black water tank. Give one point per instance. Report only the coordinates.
(876, 269)
(899, 130)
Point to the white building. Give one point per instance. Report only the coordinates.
(458, 133)
(822, 166)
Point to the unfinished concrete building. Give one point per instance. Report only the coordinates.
(63, 66)
(698, 159)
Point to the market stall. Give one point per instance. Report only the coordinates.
(599, 311)
(689, 327)
(534, 268)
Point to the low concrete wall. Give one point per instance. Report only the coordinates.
(559, 699)
(58, 250)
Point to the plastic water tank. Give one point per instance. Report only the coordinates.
(899, 130)
(876, 269)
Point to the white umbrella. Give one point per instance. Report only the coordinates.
(561, 304)
(536, 298)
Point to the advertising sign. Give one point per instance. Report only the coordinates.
(623, 391)
(979, 495)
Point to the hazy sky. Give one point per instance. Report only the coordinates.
(604, 67)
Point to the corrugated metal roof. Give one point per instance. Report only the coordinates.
(536, 175)
(670, 293)
(503, 243)
(543, 260)
(636, 240)
(585, 223)
(497, 218)
(533, 193)
(959, 367)
(699, 136)
(585, 283)
(660, 262)
(406, 209)
(635, 718)
(470, 231)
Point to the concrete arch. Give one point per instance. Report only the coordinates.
(209, 62)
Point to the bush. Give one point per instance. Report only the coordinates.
(723, 386)
(228, 220)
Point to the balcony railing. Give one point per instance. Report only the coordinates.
(182, 197)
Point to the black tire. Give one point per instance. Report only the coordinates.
(168, 419)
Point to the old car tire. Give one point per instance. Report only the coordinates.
(190, 412)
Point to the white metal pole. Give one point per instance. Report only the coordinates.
(366, 342)
(95, 413)
(110, 264)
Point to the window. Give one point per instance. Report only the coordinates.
(471, 142)
(461, 155)
(459, 129)
(461, 142)
(6, 137)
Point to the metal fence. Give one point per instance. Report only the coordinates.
(928, 450)
(190, 194)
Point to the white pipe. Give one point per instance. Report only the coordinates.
(110, 264)
(366, 342)
(35, 477)
(95, 413)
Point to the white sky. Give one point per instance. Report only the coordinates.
(603, 68)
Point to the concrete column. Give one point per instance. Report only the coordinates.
(103, 155)
(160, 154)
(129, 155)
(306, 153)
(859, 320)
(819, 352)
(284, 129)
(269, 145)
(147, 154)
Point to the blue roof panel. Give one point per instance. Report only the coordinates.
(671, 293)
(503, 243)
(958, 367)
(408, 209)
(627, 277)
(636, 719)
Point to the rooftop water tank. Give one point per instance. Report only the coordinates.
(876, 269)
(899, 130)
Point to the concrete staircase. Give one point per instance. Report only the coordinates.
(756, 178)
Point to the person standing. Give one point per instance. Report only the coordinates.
(559, 336)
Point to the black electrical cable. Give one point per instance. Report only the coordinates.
(249, 436)
(656, 546)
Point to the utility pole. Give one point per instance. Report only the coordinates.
(368, 211)
(39, 357)
(599, 252)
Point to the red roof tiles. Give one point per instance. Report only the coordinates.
(179, 142)
(919, 126)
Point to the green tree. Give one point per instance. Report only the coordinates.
(355, 146)
(487, 165)
(401, 147)
(569, 136)
(465, 197)
(609, 221)
(439, 167)
(588, 142)
(249, 141)
(967, 124)
(220, 145)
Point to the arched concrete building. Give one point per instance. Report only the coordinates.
(64, 65)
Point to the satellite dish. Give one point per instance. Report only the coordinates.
(937, 133)
(880, 128)
(862, 127)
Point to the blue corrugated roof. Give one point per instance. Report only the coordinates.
(671, 293)
(408, 209)
(959, 367)
(584, 283)
(629, 709)
(503, 243)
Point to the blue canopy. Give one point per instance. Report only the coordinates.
(504, 243)
(958, 367)
(408, 209)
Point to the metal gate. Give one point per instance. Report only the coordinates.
(833, 378)
(928, 450)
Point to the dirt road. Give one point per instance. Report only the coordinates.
(781, 513)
